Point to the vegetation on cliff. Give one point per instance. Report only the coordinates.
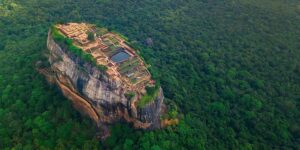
(149, 96)
(68, 44)
(231, 66)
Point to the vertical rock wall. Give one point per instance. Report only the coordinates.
(104, 97)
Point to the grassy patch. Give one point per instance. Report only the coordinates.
(101, 31)
(129, 95)
(150, 96)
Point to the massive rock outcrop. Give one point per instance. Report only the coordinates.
(93, 92)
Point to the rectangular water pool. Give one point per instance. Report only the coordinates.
(120, 56)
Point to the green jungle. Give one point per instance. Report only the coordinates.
(230, 68)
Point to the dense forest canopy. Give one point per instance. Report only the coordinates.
(232, 68)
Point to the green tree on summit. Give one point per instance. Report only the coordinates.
(91, 36)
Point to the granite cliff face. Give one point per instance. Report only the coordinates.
(94, 93)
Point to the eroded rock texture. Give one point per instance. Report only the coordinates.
(94, 93)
